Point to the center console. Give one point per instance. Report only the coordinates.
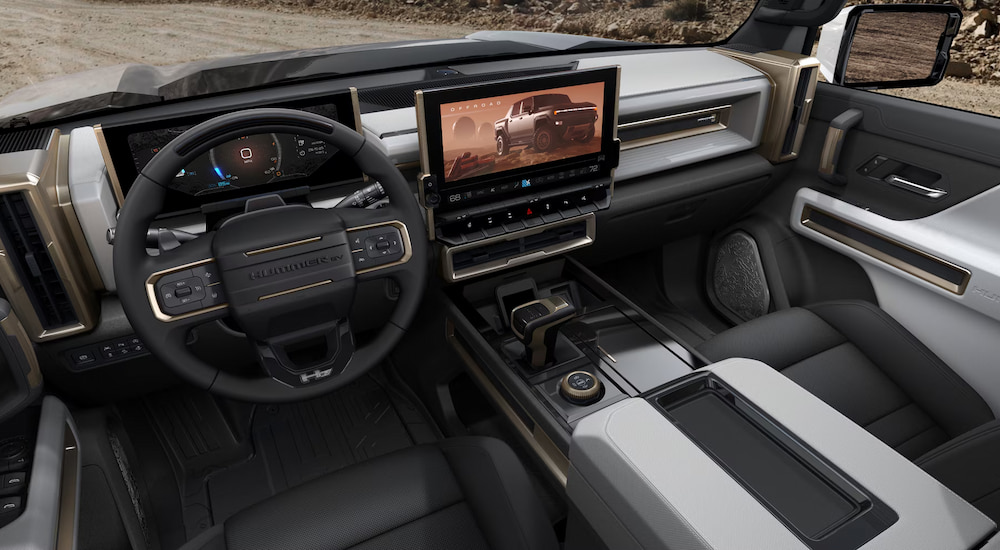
(656, 448)
(739, 456)
(606, 351)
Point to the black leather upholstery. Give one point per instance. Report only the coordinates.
(461, 494)
(863, 363)
(969, 466)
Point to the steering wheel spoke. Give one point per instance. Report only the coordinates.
(183, 283)
(284, 274)
(381, 244)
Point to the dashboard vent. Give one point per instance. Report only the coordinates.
(24, 140)
(385, 98)
(648, 130)
(798, 106)
(30, 258)
(793, 77)
(470, 260)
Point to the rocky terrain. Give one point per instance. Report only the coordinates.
(92, 33)
(976, 51)
(665, 21)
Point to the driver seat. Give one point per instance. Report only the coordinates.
(463, 494)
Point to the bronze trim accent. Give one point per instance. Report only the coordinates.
(12, 326)
(425, 163)
(160, 315)
(606, 354)
(723, 111)
(36, 174)
(833, 137)
(554, 460)
(102, 144)
(408, 165)
(293, 290)
(581, 395)
(281, 246)
(557, 303)
(356, 106)
(449, 251)
(782, 69)
(155, 304)
(407, 247)
(68, 492)
(958, 289)
(60, 196)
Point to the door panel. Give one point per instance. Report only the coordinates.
(910, 238)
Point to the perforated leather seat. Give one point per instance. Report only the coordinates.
(460, 494)
(862, 362)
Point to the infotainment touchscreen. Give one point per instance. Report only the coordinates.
(502, 133)
(516, 136)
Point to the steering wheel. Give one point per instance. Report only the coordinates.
(286, 274)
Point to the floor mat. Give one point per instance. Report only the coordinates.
(297, 442)
(284, 445)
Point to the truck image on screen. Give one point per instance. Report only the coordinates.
(544, 122)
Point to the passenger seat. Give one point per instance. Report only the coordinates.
(863, 363)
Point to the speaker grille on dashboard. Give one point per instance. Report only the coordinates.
(30, 258)
(24, 140)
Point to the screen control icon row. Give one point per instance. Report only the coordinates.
(478, 225)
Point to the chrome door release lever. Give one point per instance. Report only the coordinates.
(903, 183)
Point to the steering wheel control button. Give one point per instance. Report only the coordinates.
(208, 273)
(181, 296)
(581, 388)
(356, 239)
(213, 296)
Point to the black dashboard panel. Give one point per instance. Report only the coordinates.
(243, 167)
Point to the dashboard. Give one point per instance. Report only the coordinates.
(481, 215)
(243, 167)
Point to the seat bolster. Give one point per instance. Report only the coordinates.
(779, 339)
(493, 480)
(932, 384)
(967, 465)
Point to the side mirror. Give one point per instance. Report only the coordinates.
(888, 45)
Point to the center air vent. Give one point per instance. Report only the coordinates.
(384, 98)
(30, 258)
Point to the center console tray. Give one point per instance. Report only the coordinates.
(824, 508)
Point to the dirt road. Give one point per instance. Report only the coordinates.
(43, 39)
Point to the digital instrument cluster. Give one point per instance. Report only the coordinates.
(245, 162)
(246, 166)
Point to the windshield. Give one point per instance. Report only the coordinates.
(47, 40)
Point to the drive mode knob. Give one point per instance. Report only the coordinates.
(580, 388)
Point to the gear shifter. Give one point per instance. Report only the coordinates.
(536, 324)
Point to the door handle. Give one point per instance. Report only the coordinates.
(922, 190)
(834, 144)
